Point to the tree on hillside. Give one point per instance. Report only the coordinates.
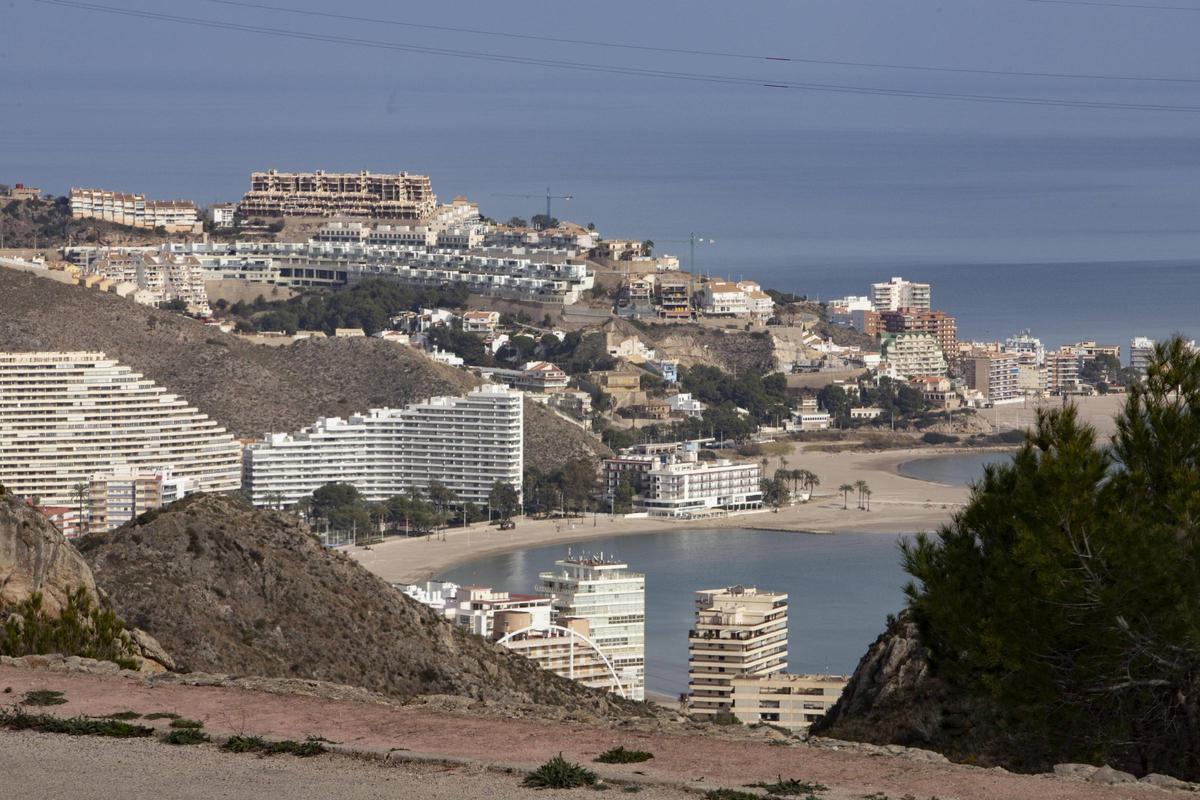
(1068, 590)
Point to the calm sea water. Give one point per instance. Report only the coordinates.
(841, 588)
(956, 469)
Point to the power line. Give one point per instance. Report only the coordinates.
(696, 77)
(1114, 5)
(707, 53)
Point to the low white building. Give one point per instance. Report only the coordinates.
(445, 357)
(483, 322)
(758, 303)
(721, 299)
(809, 420)
(690, 487)
(684, 403)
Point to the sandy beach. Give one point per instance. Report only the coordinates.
(898, 505)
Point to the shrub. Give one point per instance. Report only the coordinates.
(730, 794)
(789, 787)
(81, 630)
(43, 697)
(933, 437)
(558, 773)
(185, 736)
(244, 744)
(162, 715)
(186, 723)
(123, 715)
(619, 755)
(256, 744)
(18, 720)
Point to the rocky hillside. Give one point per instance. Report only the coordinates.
(228, 588)
(733, 350)
(36, 558)
(251, 389)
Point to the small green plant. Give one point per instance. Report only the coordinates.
(790, 787)
(8, 690)
(619, 755)
(185, 736)
(43, 697)
(729, 794)
(162, 715)
(244, 744)
(186, 723)
(123, 715)
(19, 720)
(558, 773)
(81, 629)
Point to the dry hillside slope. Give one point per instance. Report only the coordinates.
(228, 588)
(251, 389)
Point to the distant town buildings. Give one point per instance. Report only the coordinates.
(465, 443)
(338, 194)
(994, 375)
(150, 278)
(66, 417)
(222, 215)
(899, 293)
(938, 324)
(115, 498)
(23, 192)
(134, 210)
(687, 487)
(789, 701)
(907, 355)
(612, 599)
(1141, 349)
(739, 632)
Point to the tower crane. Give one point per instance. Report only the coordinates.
(547, 195)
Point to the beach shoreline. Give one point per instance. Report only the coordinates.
(898, 504)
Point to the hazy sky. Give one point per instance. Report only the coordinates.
(88, 98)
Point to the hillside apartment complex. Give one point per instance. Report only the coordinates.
(740, 632)
(612, 600)
(134, 210)
(68, 417)
(338, 194)
(466, 443)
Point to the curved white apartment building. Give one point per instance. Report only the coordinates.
(467, 443)
(66, 417)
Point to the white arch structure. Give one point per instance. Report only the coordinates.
(573, 636)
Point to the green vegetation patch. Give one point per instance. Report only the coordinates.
(122, 715)
(186, 723)
(185, 736)
(257, 744)
(790, 787)
(558, 773)
(162, 715)
(619, 755)
(730, 794)
(82, 629)
(43, 697)
(18, 720)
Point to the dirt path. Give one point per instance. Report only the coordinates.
(682, 758)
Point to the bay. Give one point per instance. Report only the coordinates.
(841, 588)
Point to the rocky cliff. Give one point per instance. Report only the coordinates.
(36, 558)
(233, 589)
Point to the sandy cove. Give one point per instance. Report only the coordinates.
(898, 505)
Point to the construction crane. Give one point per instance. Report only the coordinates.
(548, 197)
(691, 243)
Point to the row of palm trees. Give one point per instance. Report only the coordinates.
(864, 494)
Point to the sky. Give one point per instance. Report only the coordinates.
(789, 175)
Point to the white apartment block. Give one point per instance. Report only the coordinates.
(740, 632)
(790, 701)
(899, 293)
(134, 210)
(66, 417)
(759, 304)
(475, 608)
(689, 487)
(909, 355)
(613, 601)
(1141, 348)
(995, 375)
(1024, 344)
(162, 277)
(721, 299)
(466, 443)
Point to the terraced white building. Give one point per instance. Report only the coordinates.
(68, 416)
(466, 443)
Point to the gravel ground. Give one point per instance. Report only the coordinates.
(49, 767)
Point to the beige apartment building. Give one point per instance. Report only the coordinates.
(790, 701)
(995, 375)
(566, 648)
(134, 210)
(740, 632)
(338, 194)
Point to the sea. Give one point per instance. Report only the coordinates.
(841, 587)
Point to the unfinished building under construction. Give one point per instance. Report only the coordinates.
(338, 194)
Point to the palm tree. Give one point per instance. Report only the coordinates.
(861, 486)
(80, 492)
(845, 489)
(811, 481)
(867, 494)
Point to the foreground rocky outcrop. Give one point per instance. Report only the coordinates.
(237, 590)
(35, 558)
